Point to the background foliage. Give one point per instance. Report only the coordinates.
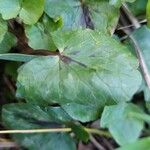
(79, 68)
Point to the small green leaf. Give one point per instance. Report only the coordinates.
(142, 144)
(9, 8)
(29, 11)
(7, 43)
(50, 24)
(42, 30)
(26, 116)
(124, 128)
(80, 132)
(42, 42)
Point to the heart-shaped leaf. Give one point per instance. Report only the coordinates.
(90, 70)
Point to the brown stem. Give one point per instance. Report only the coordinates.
(9, 85)
(43, 52)
(131, 16)
(142, 63)
(143, 66)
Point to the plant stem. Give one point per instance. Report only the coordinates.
(107, 143)
(89, 130)
(142, 63)
(143, 66)
(131, 16)
(98, 132)
(131, 25)
(35, 131)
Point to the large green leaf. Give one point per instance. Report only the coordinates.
(29, 11)
(26, 116)
(124, 129)
(142, 144)
(98, 14)
(91, 70)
